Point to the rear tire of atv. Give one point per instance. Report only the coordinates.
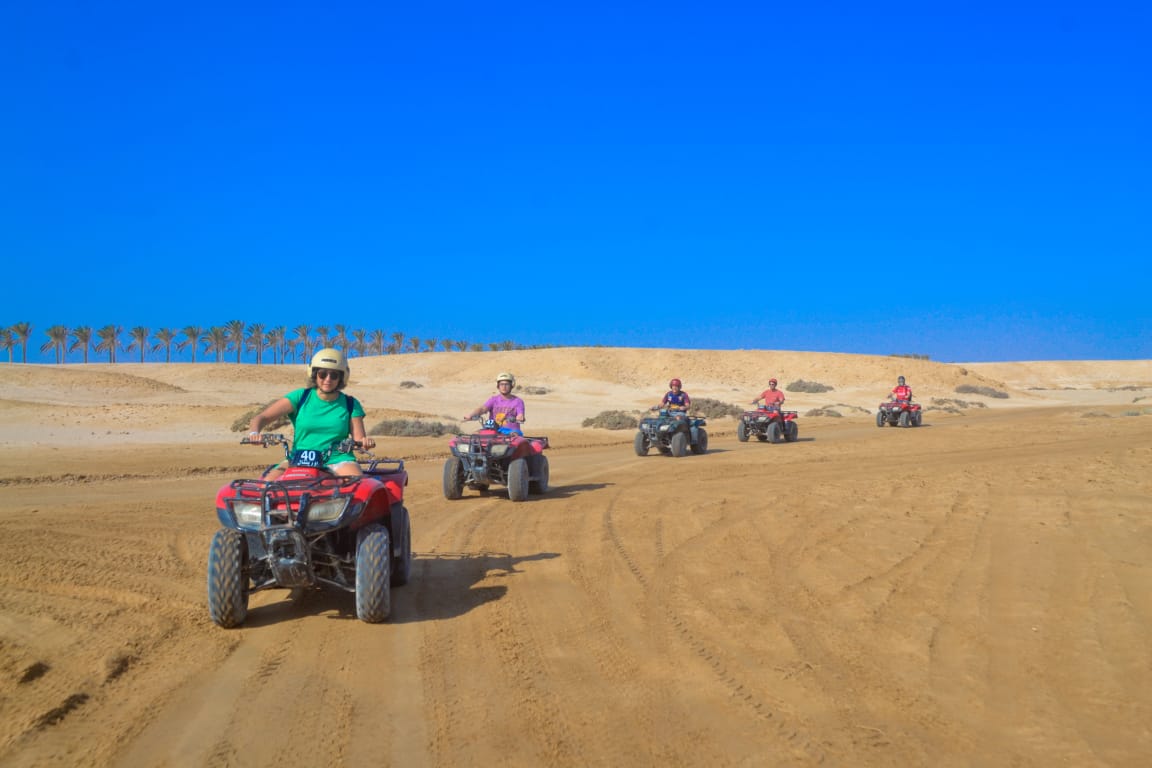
(701, 442)
(518, 480)
(539, 486)
(373, 574)
(881, 420)
(640, 444)
(227, 580)
(679, 444)
(453, 478)
(791, 431)
(774, 432)
(742, 431)
(401, 529)
(904, 419)
(916, 418)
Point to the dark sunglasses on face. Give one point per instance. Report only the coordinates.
(323, 373)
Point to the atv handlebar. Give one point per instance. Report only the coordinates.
(347, 445)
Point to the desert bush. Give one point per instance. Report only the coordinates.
(612, 420)
(912, 356)
(813, 387)
(411, 428)
(714, 409)
(972, 389)
(1132, 413)
(411, 385)
(242, 422)
(947, 403)
(534, 390)
(825, 412)
(1095, 415)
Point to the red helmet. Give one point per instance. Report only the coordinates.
(675, 383)
(773, 381)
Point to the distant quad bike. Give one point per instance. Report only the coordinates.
(311, 528)
(902, 413)
(673, 433)
(768, 424)
(496, 456)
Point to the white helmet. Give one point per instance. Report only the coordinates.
(506, 377)
(332, 360)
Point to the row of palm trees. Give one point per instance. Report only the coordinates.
(277, 344)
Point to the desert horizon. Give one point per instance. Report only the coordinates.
(974, 591)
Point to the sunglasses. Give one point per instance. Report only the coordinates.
(324, 373)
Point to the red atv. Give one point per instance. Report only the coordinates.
(496, 456)
(904, 413)
(311, 528)
(768, 423)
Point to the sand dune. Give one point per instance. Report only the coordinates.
(977, 591)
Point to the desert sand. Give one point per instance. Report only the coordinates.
(973, 592)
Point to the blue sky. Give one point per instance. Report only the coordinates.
(970, 181)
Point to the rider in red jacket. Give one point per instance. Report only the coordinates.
(901, 391)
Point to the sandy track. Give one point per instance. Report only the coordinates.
(973, 592)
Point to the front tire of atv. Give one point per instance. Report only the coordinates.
(518, 480)
(881, 420)
(640, 444)
(227, 578)
(916, 418)
(701, 445)
(904, 419)
(539, 486)
(774, 432)
(402, 530)
(453, 478)
(679, 444)
(742, 431)
(373, 574)
(791, 431)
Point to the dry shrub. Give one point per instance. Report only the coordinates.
(411, 385)
(812, 387)
(411, 428)
(824, 412)
(242, 422)
(972, 389)
(714, 409)
(612, 420)
(534, 390)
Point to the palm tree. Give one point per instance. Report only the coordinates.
(235, 336)
(82, 339)
(139, 336)
(22, 331)
(7, 341)
(341, 340)
(398, 341)
(216, 339)
(300, 340)
(359, 341)
(192, 334)
(376, 341)
(446, 345)
(461, 345)
(109, 337)
(57, 338)
(164, 339)
(477, 347)
(430, 345)
(322, 334)
(255, 341)
(275, 339)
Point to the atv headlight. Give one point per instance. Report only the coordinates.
(664, 427)
(328, 510)
(247, 514)
(499, 451)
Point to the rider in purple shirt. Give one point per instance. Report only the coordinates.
(504, 408)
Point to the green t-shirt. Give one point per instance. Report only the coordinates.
(322, 423)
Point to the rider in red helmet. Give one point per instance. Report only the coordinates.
(675, 399)
(772, 397)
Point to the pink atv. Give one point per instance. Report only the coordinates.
(904, 413)
(494, 456)
(768, 423)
